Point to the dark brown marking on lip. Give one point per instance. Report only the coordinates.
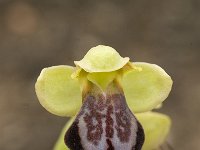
(140, 137)
(110, 146)
(93, 120)
(123, 126)
(72, 138)
(101, 103)
(109, 122)
(94, 130)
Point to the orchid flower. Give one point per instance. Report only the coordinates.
(110, 101)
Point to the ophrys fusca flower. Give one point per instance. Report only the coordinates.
(110, 99)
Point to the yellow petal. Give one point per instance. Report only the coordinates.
(57, 91)
(102, 59)
(156, 128)
(146, 89)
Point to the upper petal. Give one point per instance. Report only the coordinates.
(156, 128)
(102, 59)
(57, 91)
(146, 89)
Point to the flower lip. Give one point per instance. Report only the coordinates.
(102, 59)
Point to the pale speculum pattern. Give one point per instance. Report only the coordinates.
(105, 123)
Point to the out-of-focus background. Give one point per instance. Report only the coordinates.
(39, 33)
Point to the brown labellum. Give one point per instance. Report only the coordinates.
(105, 123)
